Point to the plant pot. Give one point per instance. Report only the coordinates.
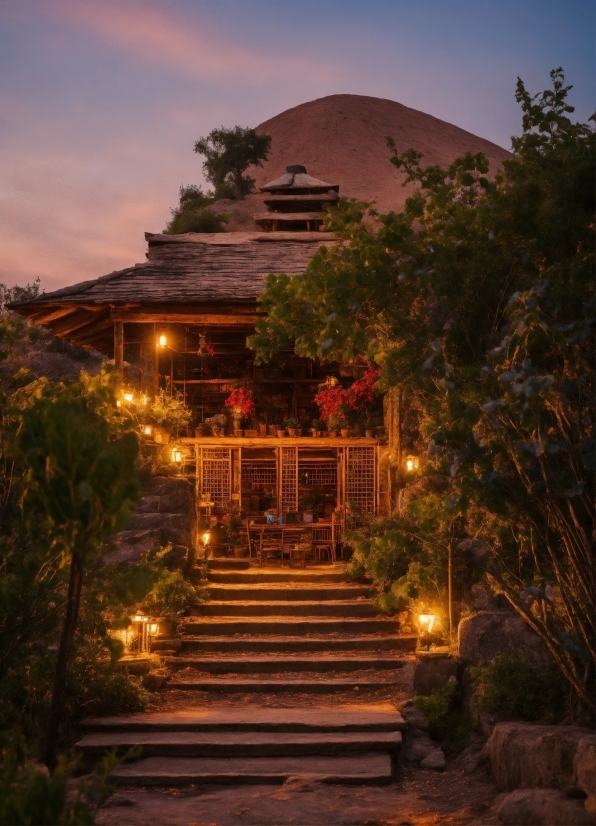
(200, 431)
(356, 430)
(262, 430)
(281, 433)
(238, 432)
(345, 432)
(293, 432)
(369, 434)
(272, 428)
(332, 433)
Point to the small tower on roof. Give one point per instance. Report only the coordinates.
(296, 201)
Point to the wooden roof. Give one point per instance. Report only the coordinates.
(196, 278)
(291, 181)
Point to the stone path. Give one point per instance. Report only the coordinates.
(264, 668)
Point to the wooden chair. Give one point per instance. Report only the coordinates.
(254, 527)
(322, 542)
(270, 544)
(297, 545)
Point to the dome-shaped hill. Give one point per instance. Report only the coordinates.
(342, 139)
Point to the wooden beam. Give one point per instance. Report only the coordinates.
(287, 441)
(200, 320)
(119, 346)
(43, 317)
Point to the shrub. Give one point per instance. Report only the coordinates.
(446, 716)
(193, 220)
(511, 689)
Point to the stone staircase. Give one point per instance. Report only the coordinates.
(257, 663)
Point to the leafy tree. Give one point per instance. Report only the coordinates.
(228, 153)
(81, 486)
(477, 301)
(193, 213)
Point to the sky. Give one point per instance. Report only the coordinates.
(101, 101)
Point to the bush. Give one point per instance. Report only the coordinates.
(446, 716)
(193, 220)
(511, 689)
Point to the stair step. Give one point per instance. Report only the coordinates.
(264, 575)
(181, 771)
(238, 744)
(331, 608)
(269, 665)
(226, 564)
(371, 717)
(293, 592)
(297, 686)
(286, 626)
(250, 645)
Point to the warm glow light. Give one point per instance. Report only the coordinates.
(143, 399)
(206, 537)
(147, 430)
(162, 341)
(412, 463)
(176, 455)
(145, 619)
(426, 622)
(128, 397)
(118, 403)
(138, 618)
(153, 628)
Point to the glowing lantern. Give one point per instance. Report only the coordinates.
(138, 618)
(176, 455)
(412, 463)
(118, 403)
(147, 430)
(206, 538)
(426, 622)
(163, 340)
(153, 628)
(128, 397)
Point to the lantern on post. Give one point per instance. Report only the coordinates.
(176, 455)
(128, 396)
(162, 341)
(412, 463)
(426, 620)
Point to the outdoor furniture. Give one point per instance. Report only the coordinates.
(270, 543)
(254, 527)
(322, 542)
(296, 545)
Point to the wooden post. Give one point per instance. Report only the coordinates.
(119, 346)
(449, 589)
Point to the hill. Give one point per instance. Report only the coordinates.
(342, 139)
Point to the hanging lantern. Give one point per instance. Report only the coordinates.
(412, 463)
(163, 341)
(176, 455)
(153, 629)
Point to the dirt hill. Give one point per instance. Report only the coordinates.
(342, 140)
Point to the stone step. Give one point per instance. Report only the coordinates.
(227, 564)
(346, 718)
(264, 575)
(289, 683)
(368, 768)
(272, 665)
(287, 626)
(294, 592)
(238, 744)
(249, 645)
(269, 608)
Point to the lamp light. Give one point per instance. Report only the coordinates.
(412, 463)
(176, 454)
(206, 537)
(153, 628)
(145, 619)
(426, 620)
(118, 403)
(128, 397)
(163, 341)
(147, 430)
(138, 618)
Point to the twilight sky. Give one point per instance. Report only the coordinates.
(101, 101)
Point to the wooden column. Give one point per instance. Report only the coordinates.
(119, 346)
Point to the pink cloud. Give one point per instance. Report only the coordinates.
(152, 35)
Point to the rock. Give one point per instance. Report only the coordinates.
(431, 673)
(485, 635)
(118, 800)
(417, 748)
(435, 760)
(527, 755)
(155, 679)
(414, 717)
(542, 807)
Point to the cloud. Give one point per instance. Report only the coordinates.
(155, 36)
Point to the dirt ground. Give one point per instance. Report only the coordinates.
(417, 797)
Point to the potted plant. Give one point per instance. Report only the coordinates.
(232, 526)
(241, 403)
(217, 423)
(280, 431)
(293, 426)
(318, 427)
(335, 424)
(169, 415)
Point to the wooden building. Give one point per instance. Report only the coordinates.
(197, 294)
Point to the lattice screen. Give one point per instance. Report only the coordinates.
(317, 473)
(258, 474)
(216, 475)
(361, 478)
(289, 479)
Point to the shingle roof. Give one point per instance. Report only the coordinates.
(198, 267)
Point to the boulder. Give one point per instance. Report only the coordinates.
(415, 718)
(435, 760)
(433, 672)
(485, 635)
(542, 807)
(527, 755)
(415, 749)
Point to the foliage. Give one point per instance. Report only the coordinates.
(448, 721)
(196, 220)
(171, 596)
(339, 405)
(241, 401)
(167, 410)
(228, 153)
(28, 795)
(16, 294)
(232, 525)
(511, 689)
(477, 301)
